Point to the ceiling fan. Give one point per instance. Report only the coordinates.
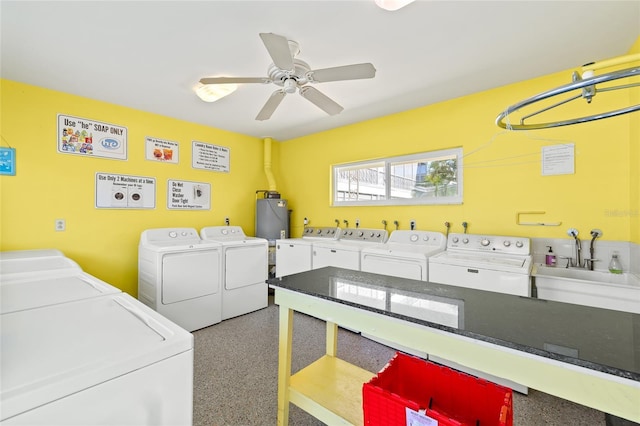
(292, 74)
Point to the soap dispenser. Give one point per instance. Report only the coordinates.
(550, 258)
(615, 267)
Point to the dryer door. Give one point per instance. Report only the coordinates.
(189, 275)
(394, 266)
(246, 265)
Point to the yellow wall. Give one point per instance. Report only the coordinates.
(501, 174)
(50, 185)
(502, 170)
(634, 162)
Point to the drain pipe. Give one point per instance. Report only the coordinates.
(267, 165)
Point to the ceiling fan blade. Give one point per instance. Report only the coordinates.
(278, 48)
(321, 100)
(271, 105)
(346, 72)
(232, 80)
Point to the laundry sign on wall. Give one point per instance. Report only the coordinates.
(91, 138)
(125, 192)
(184, 195)
(210, 157)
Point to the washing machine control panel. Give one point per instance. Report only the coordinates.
(419, 238)
(489, 243)
(328, 232)
(159, 235)
(364, 234)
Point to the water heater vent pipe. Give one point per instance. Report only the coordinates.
(267, 165)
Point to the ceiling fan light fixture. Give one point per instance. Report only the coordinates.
(214, 92)
(392, 5)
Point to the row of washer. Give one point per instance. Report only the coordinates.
(495, 263)
(77, 350)
(199, 279)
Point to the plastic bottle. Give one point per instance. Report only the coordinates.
(615, 267)
(550, 258)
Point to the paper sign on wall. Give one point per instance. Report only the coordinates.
(8, 161)
(81, 136)
(210, 157)
(161, 150)
(188, 195)
(558, 159)
(125, 192)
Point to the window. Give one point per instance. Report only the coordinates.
(426, 178)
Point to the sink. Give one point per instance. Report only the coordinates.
(600, 289)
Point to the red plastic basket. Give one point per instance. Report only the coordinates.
(449, 396)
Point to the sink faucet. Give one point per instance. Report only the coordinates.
(572, 232)
(595, 233)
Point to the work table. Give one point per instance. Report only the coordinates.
(587, 355)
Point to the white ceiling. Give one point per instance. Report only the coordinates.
(149, 55)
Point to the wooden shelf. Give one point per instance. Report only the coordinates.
(331, 390)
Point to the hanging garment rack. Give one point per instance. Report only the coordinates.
(585, 81)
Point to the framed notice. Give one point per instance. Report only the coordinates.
(125, 192)
(90, 138)
(183, 195)
(210, 157)
(558, 160)
(161, 150)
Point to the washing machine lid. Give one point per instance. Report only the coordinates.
(34, 266)
(295, 241)
(55, 351)
(405, 251)
(30, 254)
(490, 261)
(35, 292)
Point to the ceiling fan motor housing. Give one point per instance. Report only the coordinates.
(290, 79)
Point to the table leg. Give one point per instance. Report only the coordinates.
(332, 338)
(284, 363)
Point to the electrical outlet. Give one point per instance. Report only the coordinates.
(61, 225)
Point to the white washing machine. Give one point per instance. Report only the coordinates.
(405, 254)
(98, 361)
(485, 262)
(29, 263)
(179, 275)
(244, 269)
(18, 294)
(345, 251)
(294, 255)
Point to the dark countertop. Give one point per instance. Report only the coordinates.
(598, 339)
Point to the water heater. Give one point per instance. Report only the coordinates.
(272, 217)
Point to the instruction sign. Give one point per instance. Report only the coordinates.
(125, 192)
(210, 157)
(185, 195)
(161, 150)
(81, 136)
(558, 160)
(8, 161)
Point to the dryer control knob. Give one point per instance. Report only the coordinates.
(485, 242)
(454, 239)
(173, 234)
(414, 238)
(507, 243)
(373, 234)
(225, 232)
(519, 244)
(319, 231)
(360, 234)
(465, 240)
(426, 238)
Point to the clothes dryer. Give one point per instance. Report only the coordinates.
(99, 361)
(345, 251)
(244, 269)
(294, 255)
(179, 275)
(405, 254)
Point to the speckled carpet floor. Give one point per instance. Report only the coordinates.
(236, 369)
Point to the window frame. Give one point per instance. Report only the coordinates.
(386, 163)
